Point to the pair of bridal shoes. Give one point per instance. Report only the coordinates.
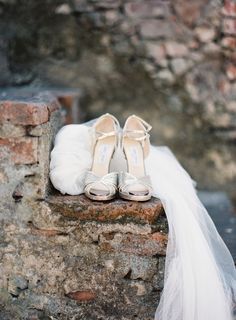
(102, 182)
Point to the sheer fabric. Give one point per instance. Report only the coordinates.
(200, 276)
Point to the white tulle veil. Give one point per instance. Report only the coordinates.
(200, 276)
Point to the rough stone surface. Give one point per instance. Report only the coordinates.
(67, 257)
(175, 49)
(153, 29)
(87, 271)
(205, 34)
(21, 150)
(82, 209)
(65, 267)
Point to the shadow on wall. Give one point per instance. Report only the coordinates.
(171, 62)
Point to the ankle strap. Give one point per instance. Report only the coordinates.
(140, 135)
(101, 134)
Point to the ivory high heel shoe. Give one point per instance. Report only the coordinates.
(135, 184)
(100, 183)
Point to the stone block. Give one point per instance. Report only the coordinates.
(179, 66)
(175, 49)
(146, 9)
(153, 29)
(231, 71)
(156, 51)
(9, 130)
(112, 17)
(35, 131)
(211, 48)
(21, 150)
(63, 9)
(141, 245)
(229, 8)
(231, 106)
(189, 11)
(229, 26)
(205, 34)
(166, 76)
(229, 42)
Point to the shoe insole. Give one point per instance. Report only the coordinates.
(135, 160)
(104, 149)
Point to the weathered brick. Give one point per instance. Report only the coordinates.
(23, 113)
(229, 8)
(28, 108)
(22, 150)
(81, 296)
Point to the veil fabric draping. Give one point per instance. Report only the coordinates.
(200, 276)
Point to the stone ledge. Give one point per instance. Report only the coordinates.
(82, 209)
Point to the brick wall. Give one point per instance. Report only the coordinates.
(28, 126)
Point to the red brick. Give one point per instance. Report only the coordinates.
(81, 296)
(229, 8)
(23, 113)
(22, 150)
(229, 26)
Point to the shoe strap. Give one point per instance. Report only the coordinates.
(100, 134)
(126, 180)
(109, 181)
(140, 135)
